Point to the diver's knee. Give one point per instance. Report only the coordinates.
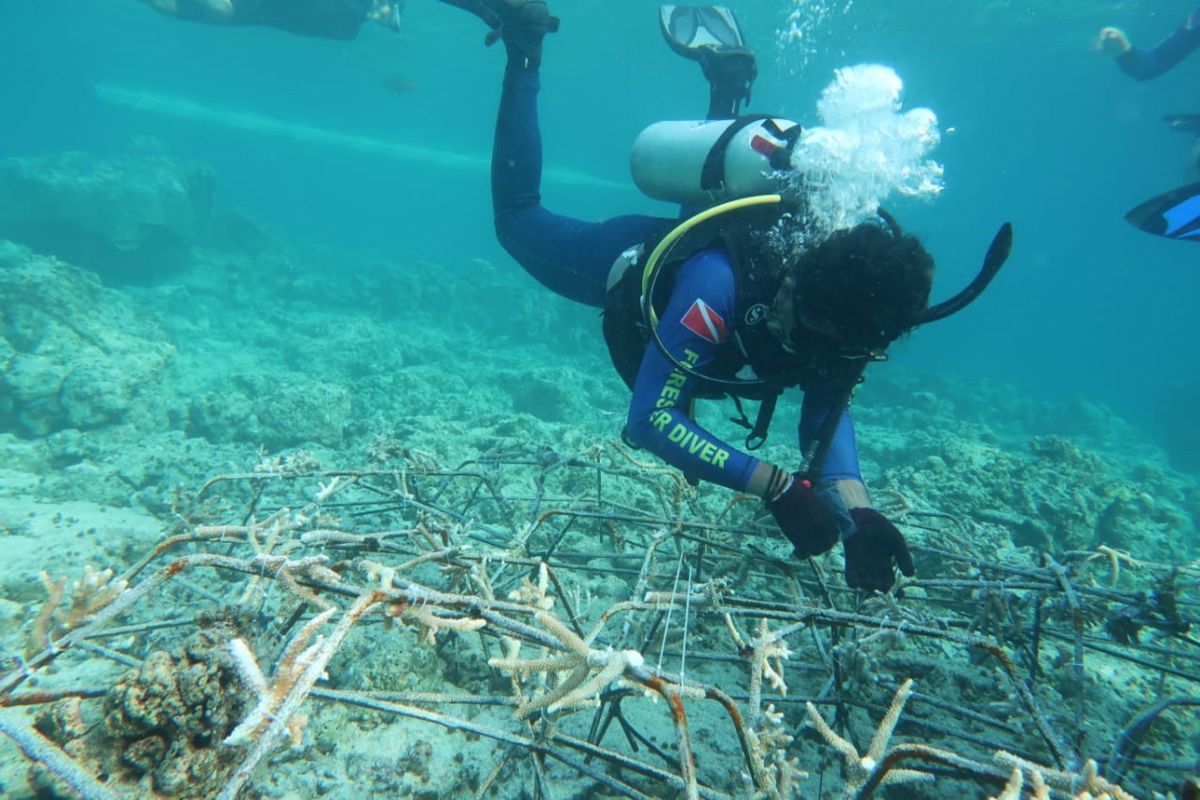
(165, 6)
(505, 228)
(210, 11)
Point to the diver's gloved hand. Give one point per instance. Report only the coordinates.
(872, 550)
(1113, 42)
(805, 519)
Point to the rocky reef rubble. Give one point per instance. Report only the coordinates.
(130, 217)
(1054, 477)
(74, 354)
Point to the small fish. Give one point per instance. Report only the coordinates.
(398, 84)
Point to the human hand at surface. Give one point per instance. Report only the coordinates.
(805, 519)
(874, 550)
(1113, 42)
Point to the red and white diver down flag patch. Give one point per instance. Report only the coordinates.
(701, 320)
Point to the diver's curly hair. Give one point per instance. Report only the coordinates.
(870, 283)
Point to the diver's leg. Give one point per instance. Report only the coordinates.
(569, 256)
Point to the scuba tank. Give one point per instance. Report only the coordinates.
(699, 163)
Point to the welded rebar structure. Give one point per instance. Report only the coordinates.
(623, 630)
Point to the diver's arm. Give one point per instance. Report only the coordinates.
(1144, 65)
(659, 413)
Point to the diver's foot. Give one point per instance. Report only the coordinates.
(521, 24)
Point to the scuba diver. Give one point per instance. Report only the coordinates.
(1176, 214)
(324, 19)
(706, 307)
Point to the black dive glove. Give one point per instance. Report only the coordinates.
(871, 551)
(805, 519)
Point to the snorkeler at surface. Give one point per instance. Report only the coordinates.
(728, 314)
(326, 19)
(1174, 214)
(1143, 65)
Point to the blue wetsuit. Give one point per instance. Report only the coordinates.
(1144, 65)
(574, 258)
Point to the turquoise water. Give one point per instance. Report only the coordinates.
(352, 289)
(1048, 136)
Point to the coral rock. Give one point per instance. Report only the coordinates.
(74, 354)
(121, 214)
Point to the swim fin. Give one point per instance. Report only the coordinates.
(1174, 215)
(688, 29)
(711, 35)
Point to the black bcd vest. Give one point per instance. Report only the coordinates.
(778, 359)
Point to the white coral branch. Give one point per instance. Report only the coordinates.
(296, 659)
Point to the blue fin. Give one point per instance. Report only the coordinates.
(1174, 215)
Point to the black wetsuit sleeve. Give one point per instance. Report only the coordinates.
(322, 19)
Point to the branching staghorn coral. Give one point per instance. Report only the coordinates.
(861, 768)
(1115, 558)
(292, 665)
(1016, 783)
(88, 595)
(1085, 784)
(583, 672)
(776, 776)
(297, 673)
(434, 620)
(766, 652)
